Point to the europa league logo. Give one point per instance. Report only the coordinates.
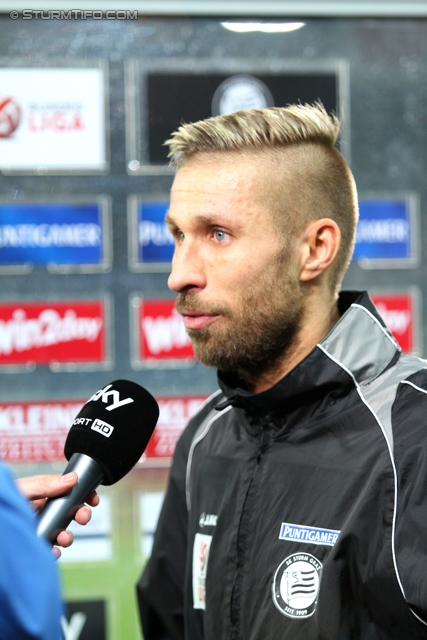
(10, 116)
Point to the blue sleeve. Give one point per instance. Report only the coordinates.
(30, 603)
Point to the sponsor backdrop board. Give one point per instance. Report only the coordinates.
(84, 105)
(158, 336)
(161, 98)
(388, 232)
(55, 333)
(400, 311)
(62, 236)
(36, 431)
(53, 119)
(150, 242)
(175, 412)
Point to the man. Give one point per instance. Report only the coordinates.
(296, 505)
(30, 595)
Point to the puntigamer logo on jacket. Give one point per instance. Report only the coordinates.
(313, 535)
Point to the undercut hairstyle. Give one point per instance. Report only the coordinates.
(307, 179)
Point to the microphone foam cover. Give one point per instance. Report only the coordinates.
(114, 427)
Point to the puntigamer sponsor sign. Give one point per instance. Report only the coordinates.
(155, 242)
(387, 232)
(62, 234)
(52, 332)
(151, 244)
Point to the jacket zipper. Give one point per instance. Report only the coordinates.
(243, 534)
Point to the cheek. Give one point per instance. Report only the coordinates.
(247, 265)
(227, 281)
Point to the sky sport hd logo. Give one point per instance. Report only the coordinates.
(102, 427)
(74, 14)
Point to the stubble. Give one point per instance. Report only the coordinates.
(253, 337)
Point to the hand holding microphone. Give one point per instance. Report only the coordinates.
(107, 438)
(38, 488)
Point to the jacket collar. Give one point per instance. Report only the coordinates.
(357, 349)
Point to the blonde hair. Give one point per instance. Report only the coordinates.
(315, 180)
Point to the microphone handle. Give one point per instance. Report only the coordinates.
(57, 513)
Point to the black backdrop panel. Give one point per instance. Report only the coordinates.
(174, 99)
(88, 616)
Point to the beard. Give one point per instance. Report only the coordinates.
(253, 336)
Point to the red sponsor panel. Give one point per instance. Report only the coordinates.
(175, 412)
(51, 332)
(36, 431)
(397, 311)
(162, 334)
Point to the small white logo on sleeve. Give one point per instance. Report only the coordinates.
(202, 545)
(296, 585)
(102, 427)
(208, 520)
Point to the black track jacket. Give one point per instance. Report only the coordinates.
(300, 513)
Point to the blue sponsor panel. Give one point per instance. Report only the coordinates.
(384, 230)
(51, 233)
(155, 242)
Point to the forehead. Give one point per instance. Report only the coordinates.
(226, 182)
(216, 173)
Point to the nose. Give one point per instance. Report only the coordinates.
(188, 271)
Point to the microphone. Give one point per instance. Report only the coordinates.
(107, 438)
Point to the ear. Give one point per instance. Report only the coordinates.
(319, 246)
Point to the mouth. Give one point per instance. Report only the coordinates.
(198, 319)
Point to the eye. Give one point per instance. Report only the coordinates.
(178, 235)
(219, 235)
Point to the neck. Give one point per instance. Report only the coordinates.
(316, 323)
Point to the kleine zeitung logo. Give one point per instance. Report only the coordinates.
(36, 431)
